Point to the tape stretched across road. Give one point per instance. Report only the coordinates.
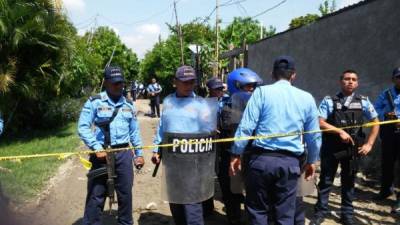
(64, 155)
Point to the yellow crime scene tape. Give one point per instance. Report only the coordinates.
(87, 164)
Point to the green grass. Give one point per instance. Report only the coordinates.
(28, 177)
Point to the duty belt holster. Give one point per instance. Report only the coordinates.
(110, 159)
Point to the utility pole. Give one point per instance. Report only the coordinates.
(178, 26)
(216, 70)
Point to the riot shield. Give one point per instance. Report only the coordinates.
(188, 167)
(189, 115)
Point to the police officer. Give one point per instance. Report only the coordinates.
(120, 114)
(344, 109)
(389, 133)
(272, 168)
(153, 91)
(215, 88)
(241, 84)
(185, 119)
(134, 87)
(1, 124)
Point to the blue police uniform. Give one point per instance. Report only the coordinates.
(183, 214)
(329, 163)
(1, 125)
(390, 137)
(134, 87)
(273, 166)
(124, 129)
(231, 200)
(155, 100)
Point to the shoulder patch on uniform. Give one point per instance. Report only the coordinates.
(362, 97)
(334, 98)
(94, 97)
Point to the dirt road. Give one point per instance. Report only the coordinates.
(62, 202)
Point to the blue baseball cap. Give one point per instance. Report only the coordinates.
(114, 74)
(396, 72)
(215, 83)
(284, 62)
(185, 73)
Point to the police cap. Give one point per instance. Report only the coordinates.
(215, 83)
(185, 73)
(113, 74)
(396, 72)
(284, 62)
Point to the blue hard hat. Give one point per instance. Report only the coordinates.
(240, 77)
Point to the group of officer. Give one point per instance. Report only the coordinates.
(267, 168)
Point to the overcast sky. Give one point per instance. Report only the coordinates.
(140, 22)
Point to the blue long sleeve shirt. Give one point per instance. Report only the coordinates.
(382, 105)
(123, 129)
(277, 109)
(1, 125)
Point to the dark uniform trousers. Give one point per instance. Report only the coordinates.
(155, 105)
(271, 186)
(231, 200)
(300, 214)
(187, 214)
(123, 185)
(390, 153)
(133, 95)
(329, 166)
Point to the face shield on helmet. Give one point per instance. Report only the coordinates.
(241, 77)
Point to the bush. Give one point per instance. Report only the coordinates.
(61, 111)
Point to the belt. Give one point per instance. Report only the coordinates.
(255, 150)
(124, 145)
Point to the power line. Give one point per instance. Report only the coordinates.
(269, 9)
(86, 21)
(227, 3)
(241, 8)
(138, 21)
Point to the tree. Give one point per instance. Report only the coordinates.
(244, 30)
(324, 9)
(303, 20)
(34, 44)
(163, 60)
(103, 43)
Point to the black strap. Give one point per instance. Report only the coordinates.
(105, 127)
(115, 113)
(390, 99)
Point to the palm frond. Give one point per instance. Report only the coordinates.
(7, 76)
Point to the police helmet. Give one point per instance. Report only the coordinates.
(240, 77)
